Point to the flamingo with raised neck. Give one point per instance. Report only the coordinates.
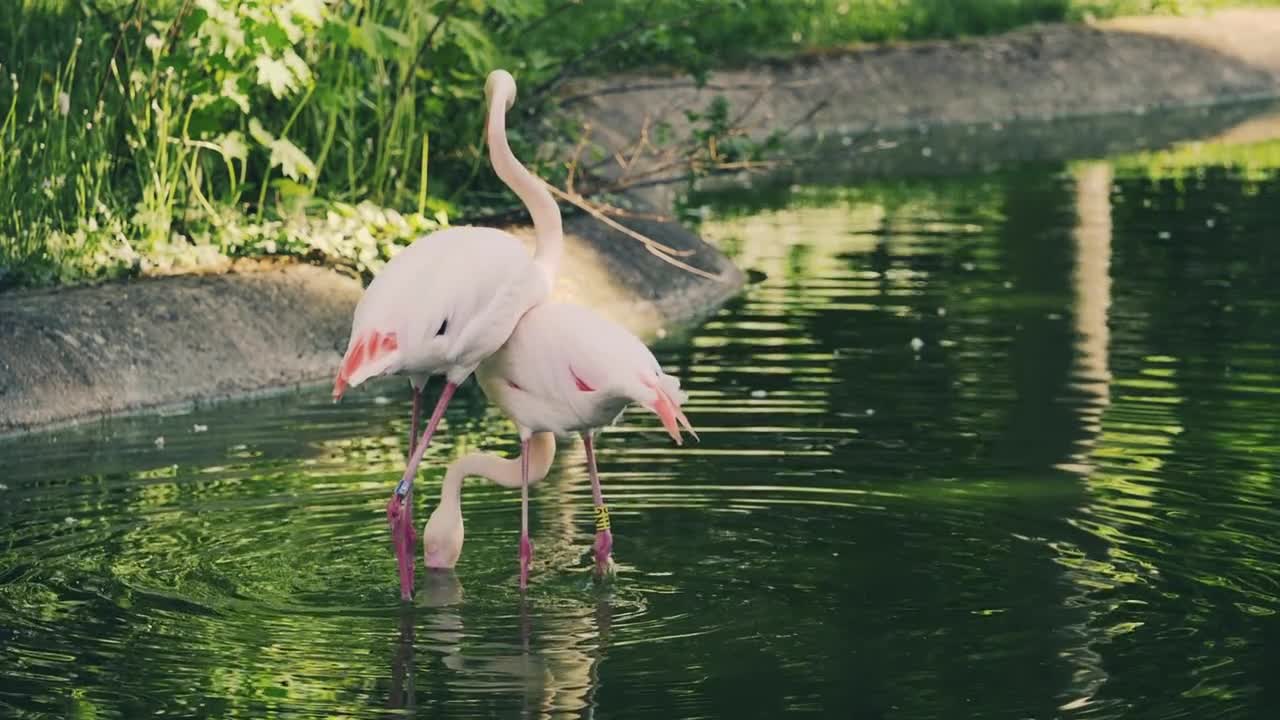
(448, 301)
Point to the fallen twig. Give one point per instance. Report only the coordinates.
(577, 154)
(582, 204)
(665, 253)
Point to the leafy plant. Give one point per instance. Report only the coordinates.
(137, 135)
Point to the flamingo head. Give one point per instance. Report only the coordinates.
(662, 395)
(442, 536)
(500, 84)
(436, 336)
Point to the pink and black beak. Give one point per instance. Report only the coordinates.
(672, 417)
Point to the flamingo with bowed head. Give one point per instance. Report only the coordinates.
(442, 536)
(447, 302)
(565, 369)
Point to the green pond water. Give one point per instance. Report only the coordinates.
(986, 446)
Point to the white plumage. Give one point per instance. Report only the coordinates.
(567, 369)
(449, 300)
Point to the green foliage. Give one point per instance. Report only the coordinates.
(716, 143)
(1251, 162)
(200, 108)
(135, 132)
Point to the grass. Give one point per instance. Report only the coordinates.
(148, 137)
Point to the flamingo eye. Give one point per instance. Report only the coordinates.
(443, 327)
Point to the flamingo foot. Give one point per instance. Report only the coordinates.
(404, 539)
(526, 557)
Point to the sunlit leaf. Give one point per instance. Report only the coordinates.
(297, 66)
(292, 161)
(312, 10)
(284, 22)
(221, 28)
(292, 197)
(275, 75)
(233, 144)
(204, 100)
(231, 91)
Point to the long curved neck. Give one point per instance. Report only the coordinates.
(503, 471)
(542, 207)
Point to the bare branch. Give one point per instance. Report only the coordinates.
(580, 202)
(640, 146)
(577, 154)
(681, 264)
(665, 253)
(652, 217)
(650, 179)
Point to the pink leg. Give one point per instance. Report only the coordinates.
(400, 507)
(526, 547)
(604, 533)
(417, 416)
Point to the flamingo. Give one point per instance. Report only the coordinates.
(564, 369)
(448, 301)
(443, 534)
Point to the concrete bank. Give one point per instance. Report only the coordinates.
(849, 99)
(85, 353)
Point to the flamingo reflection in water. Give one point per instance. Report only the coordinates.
(559, 674)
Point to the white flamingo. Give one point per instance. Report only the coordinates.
(442, 536)
(447, 302)
(564, 369)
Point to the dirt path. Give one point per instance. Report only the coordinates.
(1248, 35)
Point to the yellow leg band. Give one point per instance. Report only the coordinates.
(602, 518)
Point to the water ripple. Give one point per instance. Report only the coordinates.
(966, 428)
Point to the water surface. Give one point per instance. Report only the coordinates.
(990, 446)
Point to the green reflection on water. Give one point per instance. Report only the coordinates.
(982, 446)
